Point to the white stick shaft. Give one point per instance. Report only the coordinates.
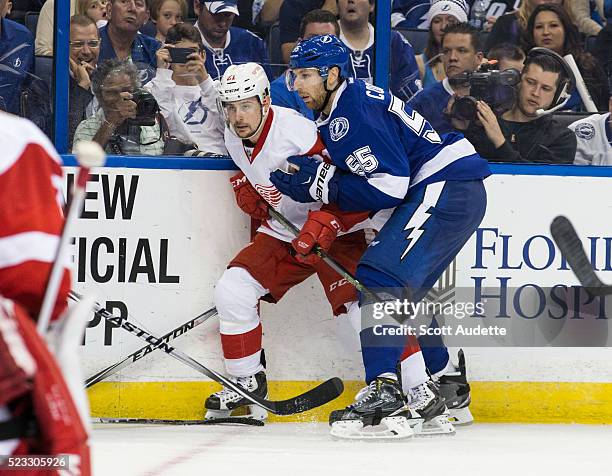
(580, 85)
(57, 272)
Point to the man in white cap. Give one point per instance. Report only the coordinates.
(225, 44)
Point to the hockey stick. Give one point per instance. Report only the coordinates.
(564, 234)
(337, 267)
(130, 359)
(315, 397)
(160, 421)
(89, 154)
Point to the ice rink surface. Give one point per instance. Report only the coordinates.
(293, 449)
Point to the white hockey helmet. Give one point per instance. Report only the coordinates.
(243, 81)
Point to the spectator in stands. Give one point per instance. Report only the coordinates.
(94, 9)
(6, 9)
(16, 61)
(114, 83)
(594, 136)
(225, 44)
(186, 93)
(357, 33)
(461, 51)
(167, 13)
(549, 26)
(507, 56)
(44, 27)
(521, 134)
(290, 16)
(410, 14)
(314, 23)
(258, 15)
(509, 28)
(84, 51)
(440, 15)
(587, 15)
(121, 38)
(602, 50)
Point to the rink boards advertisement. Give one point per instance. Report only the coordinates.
(150, 245)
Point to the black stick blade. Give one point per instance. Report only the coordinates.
(564, 234)
(313, 398)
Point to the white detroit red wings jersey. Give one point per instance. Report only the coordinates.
(30, 214)
(285, 133)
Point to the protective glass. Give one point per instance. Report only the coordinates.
(304, 77)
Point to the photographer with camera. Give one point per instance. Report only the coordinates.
(126, 123)
(527, 132)
(186, 93)
(461, 52)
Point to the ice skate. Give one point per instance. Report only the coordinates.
(379, 412)
(228, 406)
(425, 401)
(455, 389)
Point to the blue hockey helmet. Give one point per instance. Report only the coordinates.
(320, 52)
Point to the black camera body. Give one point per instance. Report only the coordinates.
(496, 88)
(146, 108)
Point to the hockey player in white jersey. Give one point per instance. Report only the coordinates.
(260, 137)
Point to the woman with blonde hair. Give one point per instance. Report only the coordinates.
(167, 13)
(94, 9)
(509, 28)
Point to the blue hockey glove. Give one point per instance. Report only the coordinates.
(314, 181)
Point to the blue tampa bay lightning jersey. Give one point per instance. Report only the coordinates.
(388, 149)
(410, 14)
(241, 47)
(404, 80)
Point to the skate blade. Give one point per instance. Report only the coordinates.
(461, 416)
(390, 428)
(252, 412)
(439, 425)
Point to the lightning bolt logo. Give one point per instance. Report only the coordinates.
(416, 227)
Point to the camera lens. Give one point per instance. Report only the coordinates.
(464, 108)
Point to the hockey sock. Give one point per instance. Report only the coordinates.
(380, 353)
(434, 351)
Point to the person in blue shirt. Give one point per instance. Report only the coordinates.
(358, 35)
(226, 45)
(461, 51)
(16, 63)
(315, 22)
(121, 39)
(410, 14)
(384, 155)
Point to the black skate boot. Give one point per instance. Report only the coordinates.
(455, 389)
(221, 405)
(380, 411)
(425, 400)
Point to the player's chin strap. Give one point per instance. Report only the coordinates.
(264, 114)
(328, 93)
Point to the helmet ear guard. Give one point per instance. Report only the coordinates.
(567, 80)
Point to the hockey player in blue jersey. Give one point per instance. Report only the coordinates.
(386, 156)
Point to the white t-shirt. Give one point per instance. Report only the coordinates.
(594, 147)
(190, 111)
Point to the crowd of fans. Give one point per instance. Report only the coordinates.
(143, 72)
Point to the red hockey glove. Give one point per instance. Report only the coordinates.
(249, 201)
(321, 229)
